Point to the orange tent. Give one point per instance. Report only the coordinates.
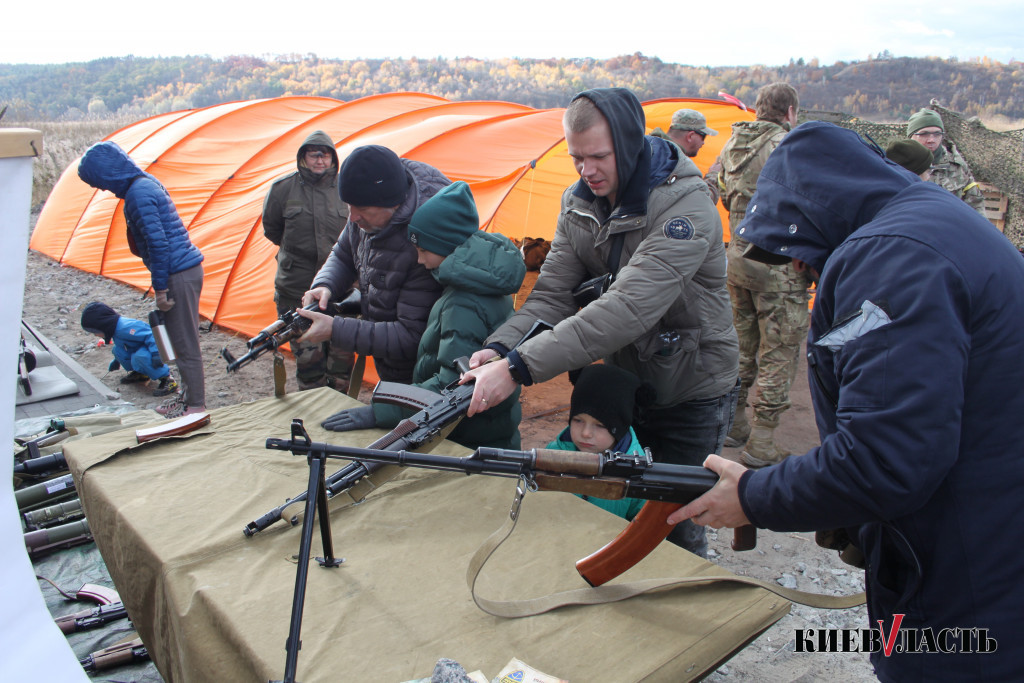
(219, 162)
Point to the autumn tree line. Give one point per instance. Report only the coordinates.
(881, 88)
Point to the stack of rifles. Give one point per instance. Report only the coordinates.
(53, 518)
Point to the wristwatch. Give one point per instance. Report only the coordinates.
(513, 373)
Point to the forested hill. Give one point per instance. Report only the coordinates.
(884, 88)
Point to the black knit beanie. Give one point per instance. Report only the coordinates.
(911, 155)
(372, 176)
(608, 394)
(445, 221)
(99, 318)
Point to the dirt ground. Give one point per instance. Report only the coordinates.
(55, 295)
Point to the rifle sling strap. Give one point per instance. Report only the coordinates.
(514, 609)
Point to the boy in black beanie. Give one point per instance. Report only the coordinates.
(600, 413)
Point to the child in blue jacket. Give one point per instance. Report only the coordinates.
(134, 347)
(600, 413)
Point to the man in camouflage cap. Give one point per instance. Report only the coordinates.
(688, 130)
(949, 170)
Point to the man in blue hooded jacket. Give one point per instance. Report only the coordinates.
(916, 359)
(157, 236)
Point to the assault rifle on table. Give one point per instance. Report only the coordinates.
(91, 618)
(438, 414)
(602, 475)
(115, 655)
(289, 326)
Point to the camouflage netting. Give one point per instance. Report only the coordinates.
(995, 158)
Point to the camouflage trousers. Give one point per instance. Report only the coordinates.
(770, 326)
(321, 365)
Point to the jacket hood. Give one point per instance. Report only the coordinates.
(319, 138)
(820, 185)
(106, 166)
(99, 318)
(486, 263)
(626, 119)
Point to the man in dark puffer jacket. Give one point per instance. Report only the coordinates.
(382, 192)
(157, 236)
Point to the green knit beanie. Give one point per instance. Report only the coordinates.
(445, 221)
(911, 155)
(926, 118)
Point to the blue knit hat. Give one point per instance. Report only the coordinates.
(445, 221)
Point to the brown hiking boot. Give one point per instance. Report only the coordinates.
(740, 431)
(761, 449)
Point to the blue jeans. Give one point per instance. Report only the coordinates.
(685, 434)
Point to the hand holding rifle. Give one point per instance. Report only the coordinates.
(720, 506)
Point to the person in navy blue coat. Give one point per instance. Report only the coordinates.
(916, 363)
(157, 236)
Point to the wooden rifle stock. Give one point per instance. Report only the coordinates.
(641, 536)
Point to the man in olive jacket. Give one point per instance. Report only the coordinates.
(382, 192)
(304, 215)
(666, 316)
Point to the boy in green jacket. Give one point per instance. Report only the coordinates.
(480, 271)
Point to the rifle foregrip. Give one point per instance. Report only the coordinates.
(634, 543)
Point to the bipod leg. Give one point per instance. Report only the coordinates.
(316, 499)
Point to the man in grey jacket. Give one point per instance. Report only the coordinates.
(665, 317)
(382, 192)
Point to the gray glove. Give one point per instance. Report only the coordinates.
(350, 420)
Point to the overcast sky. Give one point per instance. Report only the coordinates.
(714, 34)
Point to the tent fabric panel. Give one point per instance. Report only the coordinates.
(531, 208)
(494, 147)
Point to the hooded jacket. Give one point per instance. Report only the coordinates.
(155, 231)
(479, 279)
(397, 292)
(743, 157)
(667, 317)
(129, 337)
(915, 360)
(303, 215)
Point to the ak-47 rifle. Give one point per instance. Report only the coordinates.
(115, 655)
(289, 326)
(603, 475)
(91, 618)
(437, 416)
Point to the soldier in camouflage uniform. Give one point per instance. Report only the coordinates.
(303, 215)
(769, 303)
(688, 130)
(949, 170)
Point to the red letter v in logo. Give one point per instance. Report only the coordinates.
(897, 619)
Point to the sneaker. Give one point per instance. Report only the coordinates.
(167, 386)
(134, 378)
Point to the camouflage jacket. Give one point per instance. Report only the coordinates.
(950, 171)
(742, 159)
